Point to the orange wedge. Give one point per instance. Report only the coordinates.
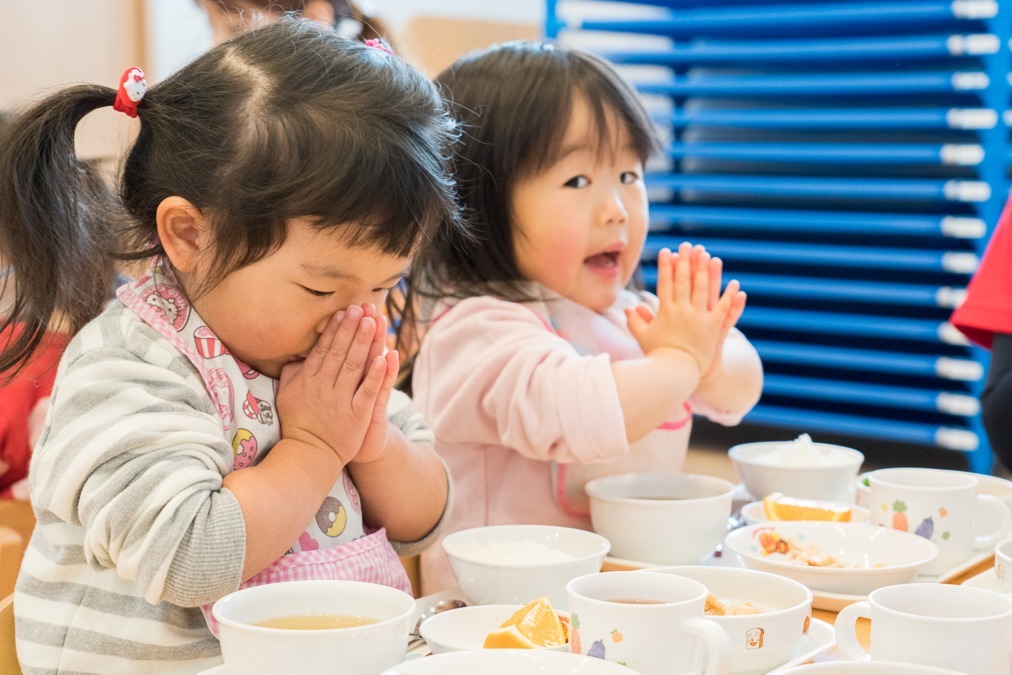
(780, 507)
(532, 626)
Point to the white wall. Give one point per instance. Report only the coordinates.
(178, 29)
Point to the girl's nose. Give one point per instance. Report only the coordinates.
(614, 208)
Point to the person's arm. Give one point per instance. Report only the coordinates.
(404, 491)
(996, 399)
(734, 386)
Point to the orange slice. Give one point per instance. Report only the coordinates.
(780, 507)
(532, 626)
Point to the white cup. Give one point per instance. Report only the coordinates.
(610, 619)
(1003, 565)
(940, 506)
(691, 511)
(759, 642)
(248, 649)
(958, 627)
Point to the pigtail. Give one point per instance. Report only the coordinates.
(57, 221)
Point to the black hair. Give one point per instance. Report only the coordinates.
(514, 102)
(286, 121)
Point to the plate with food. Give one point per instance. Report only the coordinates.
(834, 557)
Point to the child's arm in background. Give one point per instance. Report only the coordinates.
(680, 342)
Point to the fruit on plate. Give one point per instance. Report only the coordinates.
(534, 625)
(778, 506)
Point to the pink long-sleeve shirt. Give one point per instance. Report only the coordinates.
(507, 395)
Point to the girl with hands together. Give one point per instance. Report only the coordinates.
(540, 367)
(229, 419)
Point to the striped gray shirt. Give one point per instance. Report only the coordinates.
(134, 530)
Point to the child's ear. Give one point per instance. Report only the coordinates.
(185, 232)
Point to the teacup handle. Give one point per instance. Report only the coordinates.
(846, 630)
(716, 641)
(990, 502)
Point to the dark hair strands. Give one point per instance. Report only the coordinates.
(286, 121)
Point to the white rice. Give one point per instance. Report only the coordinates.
(801, 452)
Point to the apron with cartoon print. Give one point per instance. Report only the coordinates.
(592, 333)
(335, 544)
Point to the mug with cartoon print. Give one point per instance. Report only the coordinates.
(648, 621)
(940, 506)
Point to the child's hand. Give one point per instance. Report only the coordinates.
(330, 400)
(687, 284)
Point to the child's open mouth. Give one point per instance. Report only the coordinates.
(603, 261)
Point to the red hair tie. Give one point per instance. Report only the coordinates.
(132, 87)
(376, 44)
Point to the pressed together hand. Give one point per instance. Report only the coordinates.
(336, 399)
(692, 315)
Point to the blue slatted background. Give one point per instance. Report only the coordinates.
(848, 161)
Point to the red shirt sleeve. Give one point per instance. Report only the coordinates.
(987, 308)
(18, 397)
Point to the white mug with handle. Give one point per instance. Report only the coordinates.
(939, 505)
(966, 629)
(649, 621)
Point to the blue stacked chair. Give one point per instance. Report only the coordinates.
(848, 160)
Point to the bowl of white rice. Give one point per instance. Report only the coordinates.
(514, 564)
(799, 468)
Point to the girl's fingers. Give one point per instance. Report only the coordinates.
(716, 271)
(701, 281)
(379, 342)
(664, 274)
(338, 352)
(356, 360)
(364, 400)
(683, 280)
(637, 324)
(645, 313)
(318, 354)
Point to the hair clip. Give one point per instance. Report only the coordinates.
(377, 44)
(132, 87)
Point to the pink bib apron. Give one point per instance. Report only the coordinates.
(335, 544)
(592, 333)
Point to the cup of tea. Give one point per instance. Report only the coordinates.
(311, 626)
(651, 622)
(939, 505)
(966, 629)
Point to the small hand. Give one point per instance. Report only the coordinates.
(684, 320)
(328, 401)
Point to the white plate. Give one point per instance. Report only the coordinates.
(755, 513)
(834, 602)
(874, 556)
(466, 628)
(508, 662)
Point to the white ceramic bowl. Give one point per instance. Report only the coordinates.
(872, 556)
(759, 642)
(867, 668)
(497, 580)
(661, 518)
(509, 662)
(764, 468)
(465, 628)
(753, 513)
(368, 649)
